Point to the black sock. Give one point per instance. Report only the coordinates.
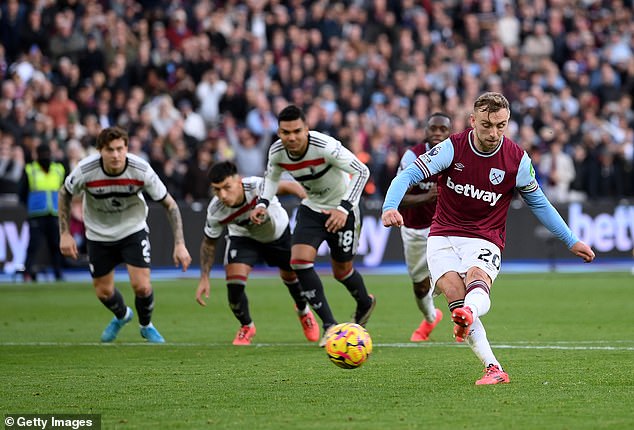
(456, 304)
(144, 307)
(314, 292)
(295, 289)
(116, 304)
(239, 303)
(355, 285)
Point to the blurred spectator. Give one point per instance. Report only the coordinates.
(66, 41)
(249, 151)
(196, 185)
(194, 125)
(177, 30)
(12, 26)
(11, 168)
(209, 92)
(61, 108)
(558, 170)
(261, 120)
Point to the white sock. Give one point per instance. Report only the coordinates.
(479, 302)
(304, 311)
(426, 306)
(479, 344)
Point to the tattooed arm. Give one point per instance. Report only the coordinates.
(207, 255)
(181, 254)
(67, 244)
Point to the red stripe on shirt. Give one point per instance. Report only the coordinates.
(296, 166)
(239, 212)
(112, 182)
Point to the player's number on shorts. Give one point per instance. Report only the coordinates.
(489, 257)
(145, 244)
(345, 239)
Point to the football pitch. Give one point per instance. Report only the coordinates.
(566, 340)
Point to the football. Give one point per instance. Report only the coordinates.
(348, 345)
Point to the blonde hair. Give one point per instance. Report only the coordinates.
(491, 102)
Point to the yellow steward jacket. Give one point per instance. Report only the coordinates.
(43, 188)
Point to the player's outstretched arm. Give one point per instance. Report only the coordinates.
(181, 254)
(67, 244)
(580, 249)
(207, 255)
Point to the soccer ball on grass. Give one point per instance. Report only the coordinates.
(348, 345)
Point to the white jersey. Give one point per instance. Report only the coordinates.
(114, 206)
(236, 219)
(328, 171)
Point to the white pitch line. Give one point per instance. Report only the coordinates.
(520, 345)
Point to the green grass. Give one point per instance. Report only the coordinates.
(566, 340)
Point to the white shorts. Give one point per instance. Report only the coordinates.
(415, 250)
(458, 254)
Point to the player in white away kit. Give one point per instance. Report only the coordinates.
(247, 244)
(333, 178)
(417, 208)
(480, 170)
(115, 213)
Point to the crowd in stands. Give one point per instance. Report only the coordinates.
(201, 81)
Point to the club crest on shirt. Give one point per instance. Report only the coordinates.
(496, 176)
(434, 151)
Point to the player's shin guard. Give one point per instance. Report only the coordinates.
(295, 290)
(144, 307)
(477, 298)
(239, 303)
(116, 304)
(313, 290)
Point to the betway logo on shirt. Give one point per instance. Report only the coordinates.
(473, 192)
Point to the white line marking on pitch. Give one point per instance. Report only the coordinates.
(568, 346)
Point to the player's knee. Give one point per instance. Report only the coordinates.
(288, 276)
(142, 290)
(342, 271)
(421, 289)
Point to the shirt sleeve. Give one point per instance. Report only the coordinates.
(345, 160)
(75, 182)
(213, 229)
(408, 158)
(153, 186)
(433, 161)
(271, 179)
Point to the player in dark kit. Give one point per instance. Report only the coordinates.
(417, 208)
(480, 169)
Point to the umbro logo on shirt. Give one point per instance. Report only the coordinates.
(458, 167)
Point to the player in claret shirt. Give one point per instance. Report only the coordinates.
(479, 170)
(417, 208)
(112, 183)
(333, 178)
